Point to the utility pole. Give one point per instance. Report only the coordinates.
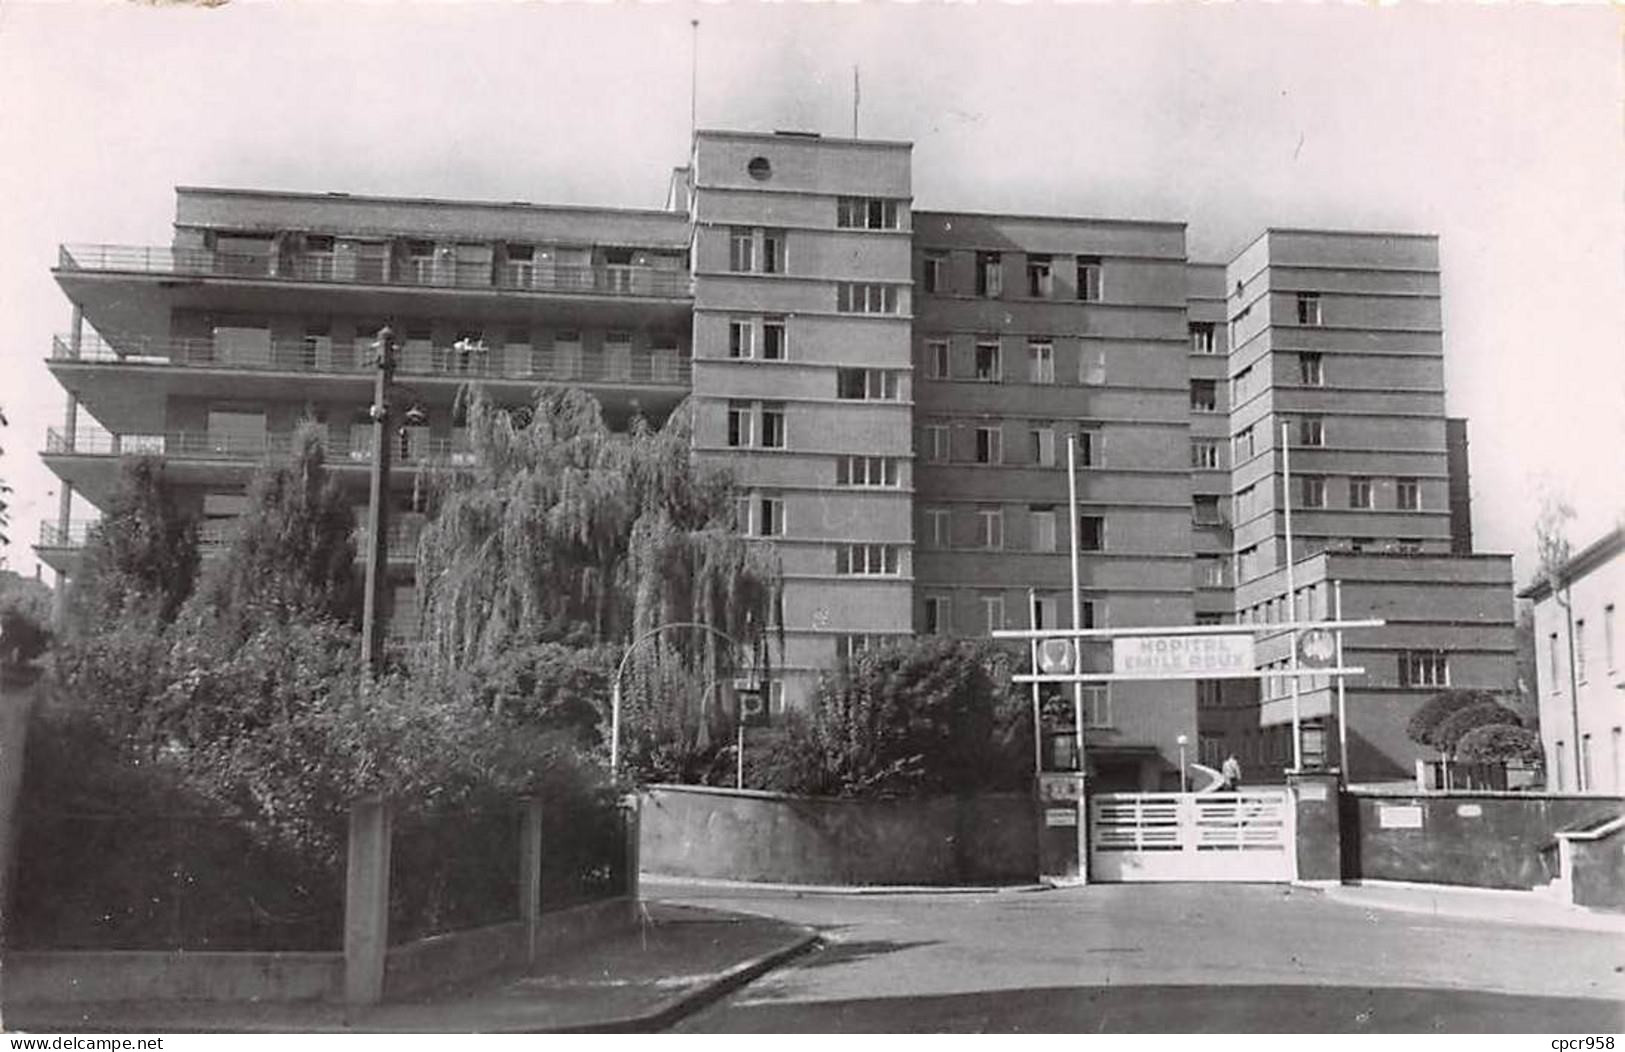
(372, 613)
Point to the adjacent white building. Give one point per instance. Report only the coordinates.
(1579, 651)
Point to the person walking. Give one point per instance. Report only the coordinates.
(1231, 773)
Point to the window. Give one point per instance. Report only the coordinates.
(1408, 494)
(866, 560)
(741, 338)
(1040, 277)
(1311, 369)
(1090, 446)
(1202, 337)
(1241, 386)
(1243, 447)
(1555, 664)
(1210, 571)
(938, 533)
(866, 213)
(850, 647)
(1308, 308)
(1040, 362)
(1097, 705)
(866, 471)
(989, 275)
(860, 298)
(1608, 653)
(1089, 278)
(1613, 758)
(772, 425)
(1041, 527)
(1312, 491)
(866, 384)
(1587, 779)
(988, 445)
(936, 272)
(938, 447)
(1557, 765)
(1209, 694)
(1092, 366)
(773, 252)
(938, 615)
(740, 418)
(1311, 431)
(742, 514)
(1205, 510)
(1424, 668)
(936, 359)
(1204, 454)
(987, 361)
(990, 528)
(1205, 396)
(1091, 533)
(1580, 649)
(1041, 447)
(993, 612)
(1359, 492)
(741, 250)
(770, 517)
(775, 342)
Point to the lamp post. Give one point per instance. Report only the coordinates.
(372, 626)
(386, 347)
(1182, 741)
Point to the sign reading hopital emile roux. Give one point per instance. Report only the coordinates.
(1152, 656)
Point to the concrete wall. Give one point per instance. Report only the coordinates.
(1597, 877)
(77, 977)
(1487, 840)
(775, 838)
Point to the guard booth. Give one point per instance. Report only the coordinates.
(1114, 836)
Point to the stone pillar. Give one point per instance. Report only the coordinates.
(366, 903)
(530, 873)
(76, 334)
(1062, 810)
(1316, 799)
(70, 422)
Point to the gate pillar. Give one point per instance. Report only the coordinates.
(1063, 836)
(1315, 796)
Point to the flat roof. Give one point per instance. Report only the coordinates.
(802, 136)
(1176, 224)
(437, 202)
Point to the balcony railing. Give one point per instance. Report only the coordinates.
(604, 279)
(226, 446)
(664, 366)
(217, 534)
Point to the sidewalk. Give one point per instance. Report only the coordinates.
(1529, 908)
(682, 959)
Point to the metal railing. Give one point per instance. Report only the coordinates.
(199, 445)
(437, 271)
(217, 534)
(664, 366)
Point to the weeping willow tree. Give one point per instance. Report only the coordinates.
(561, 530)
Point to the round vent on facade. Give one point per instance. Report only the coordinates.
(760, 169)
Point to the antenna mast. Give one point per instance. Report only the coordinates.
(857, 95)
(693, 76)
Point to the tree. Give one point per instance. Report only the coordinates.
(1523, 634)
(140, 562)
(562, 531)
(1424, 722)
(1499, 743)
(293, 556)
(5, 491)
(1447, 734)
(25, 618)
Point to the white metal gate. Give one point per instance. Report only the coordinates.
(1245, 836)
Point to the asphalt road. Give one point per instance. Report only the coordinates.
(1216, 958)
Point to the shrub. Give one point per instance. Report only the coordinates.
(1499, 743)
(1424, 722)
(1447, 735)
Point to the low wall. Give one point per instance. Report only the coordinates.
(1486, 840)
(729, 834)
(72, 976)
(1598, 880)
(20, 690)
(66, 977)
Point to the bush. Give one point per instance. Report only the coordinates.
(1425, 721)
(1447, 735)
(920, 718)
(1499, 743)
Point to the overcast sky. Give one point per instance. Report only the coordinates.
(1497, 128)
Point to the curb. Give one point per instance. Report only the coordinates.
(679, 1006)
(1452, 902)
(844, 889)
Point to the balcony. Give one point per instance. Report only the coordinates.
(622, 280)
(659, 367)
(60, 545)
(249, 448)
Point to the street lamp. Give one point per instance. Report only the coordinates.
(385, 348)
(1182, 742)
(615, 683)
